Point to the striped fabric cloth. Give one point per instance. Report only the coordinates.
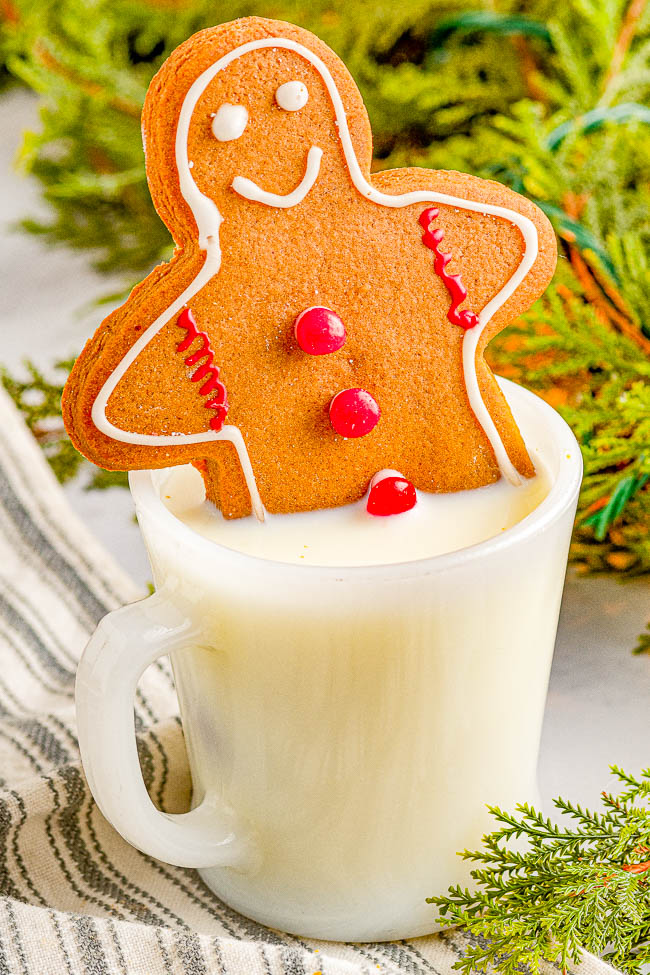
(74, 897)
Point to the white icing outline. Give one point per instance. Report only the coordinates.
(251, 191)
(208, 220)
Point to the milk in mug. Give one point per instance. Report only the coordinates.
(363, 686)
(353, 689)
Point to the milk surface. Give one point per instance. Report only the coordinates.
(348, 535)
(358, 719)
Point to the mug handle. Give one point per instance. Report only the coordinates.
(122, 647)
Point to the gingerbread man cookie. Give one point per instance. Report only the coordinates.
(317, 324)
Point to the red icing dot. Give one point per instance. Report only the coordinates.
(354, 413)
(390, 494)
(319, 331)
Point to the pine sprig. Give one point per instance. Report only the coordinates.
(602, 388)
(561, 888)
(643, 646)
(39, 400)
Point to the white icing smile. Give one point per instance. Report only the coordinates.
(251, 191)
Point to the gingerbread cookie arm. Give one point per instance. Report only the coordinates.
(490, 203)
(102, 354)
(493, 207)
(105, 361)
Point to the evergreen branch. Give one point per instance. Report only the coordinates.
(49, 61)
(624, 40)
(606, 310)
(596, 118)
(643, 646)
(571, 888)
(529, 68)
(488, 21)
(576, 234)
(602, 519)
(39, 400)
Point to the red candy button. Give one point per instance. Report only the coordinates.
(319, 331)
(390, 494)
(354, 413)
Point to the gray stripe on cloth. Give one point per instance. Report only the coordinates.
(446, 936)
(164, 954)
(30, 607)
(265, 959)
(91, 950)
(426, 964)
(43, 738)
(235, 923)
(4, 963)
(18, 857)
(50, 556)
(11, 705)
(61, 690)
(16, 937)
(52, 832)
(164, 766)
(190, 954)
(19, 625)
(10, 737)
(292, 962)
(186, 882)
(55, 720)
(88, 868)
(31, 640)
(145, 756)
(8, 886)
(401, 955)
(119, 954)
(46, 582)
(218, 954)
(127, 884)
(33, 480)
(368, 952)
(59, 939)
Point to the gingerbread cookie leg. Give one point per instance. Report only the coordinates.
(236, 502)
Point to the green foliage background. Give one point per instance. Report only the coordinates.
(550, 98)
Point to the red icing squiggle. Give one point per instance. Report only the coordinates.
(207, 371)
(432, 239)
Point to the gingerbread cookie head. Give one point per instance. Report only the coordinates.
(256, 123)
(317, 324)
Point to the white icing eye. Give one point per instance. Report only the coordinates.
(291, 96)
(229, 122)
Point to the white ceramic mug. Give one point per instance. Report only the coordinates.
(345, 726)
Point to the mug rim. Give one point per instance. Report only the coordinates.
(561, 496)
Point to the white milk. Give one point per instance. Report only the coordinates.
(358, 717)
(438, 523)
